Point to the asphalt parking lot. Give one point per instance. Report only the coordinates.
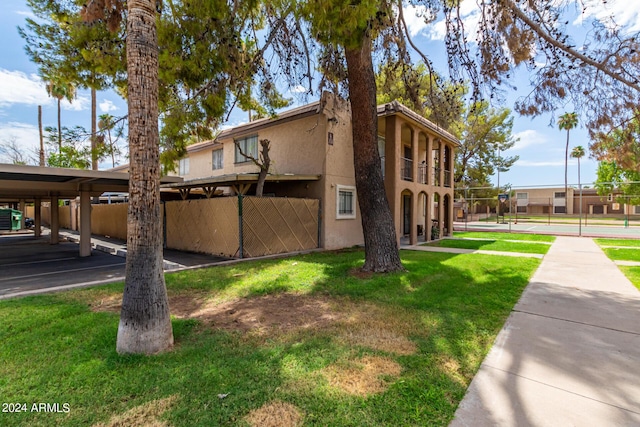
(33, 265)
(29, 264)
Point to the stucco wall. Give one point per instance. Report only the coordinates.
(296, 147)
(339, 170)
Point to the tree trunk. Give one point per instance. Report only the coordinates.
(94, 131)
(145, 325)
(264, 165)
(59, 130)
(41, 137)
(381, 248)
(566, 161)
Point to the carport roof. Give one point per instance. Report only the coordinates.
(235, 179)
(31, 182)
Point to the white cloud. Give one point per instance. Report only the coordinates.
(623, 12)
(107, 106)
(528, 138)
(414, 16)
(27, 137)
(298, 89)
(81, 103)
(531, 163)
(17, 87)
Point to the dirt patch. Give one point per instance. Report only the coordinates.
(359, 274)
(378, 327)
(142, 416)
(364, 376)
(283, 312)
(356, 324)
(275, 414)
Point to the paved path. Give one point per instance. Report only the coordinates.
(468, 251)
(569, 353)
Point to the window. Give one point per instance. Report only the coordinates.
(559, 195)
(346, 202)
(522, 196)
(559, 209)
(217, 159)
(249, 146)
(183, 166)
(636, 210)
(521, 209)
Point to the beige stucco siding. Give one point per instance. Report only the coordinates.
(339, 171)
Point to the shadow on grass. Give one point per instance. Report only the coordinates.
(57, 350)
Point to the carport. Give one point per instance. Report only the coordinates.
(33, 184)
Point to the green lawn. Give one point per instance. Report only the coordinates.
(632, 273)
(492, 245)
(628, 250)
(623, 254)
(306, 338)
(504, 236)
(632, 243)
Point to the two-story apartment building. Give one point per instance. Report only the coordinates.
(312, 156)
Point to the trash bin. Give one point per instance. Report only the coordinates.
(10, 219)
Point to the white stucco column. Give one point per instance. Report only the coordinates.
(55, 221)
(85, 224)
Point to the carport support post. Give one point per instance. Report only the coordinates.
(37, 217)
(55, 221)
(23, 209)
(240, 230)
(85, 224)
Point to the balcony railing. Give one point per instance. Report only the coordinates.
(447, 178)
(406, 172)
(422, 174)
(436, 176)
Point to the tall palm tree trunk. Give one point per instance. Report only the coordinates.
(59, 129)
(380, 243)
(145, 325)
(566, 187)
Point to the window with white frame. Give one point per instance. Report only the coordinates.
(559, 194)
(248, 146)
(217, 159)
(521, 209)
(636, 210)
(345, 202)
(183, 166)
(522, 196)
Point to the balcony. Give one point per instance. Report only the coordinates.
(447, 178)
(406, 172)
(422, 174)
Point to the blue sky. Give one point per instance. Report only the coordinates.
(540, 147)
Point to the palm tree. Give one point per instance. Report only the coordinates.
(145, 325)
(578, 153)
(567, 122)
(59, 89)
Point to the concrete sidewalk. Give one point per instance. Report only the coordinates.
(569, 353)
